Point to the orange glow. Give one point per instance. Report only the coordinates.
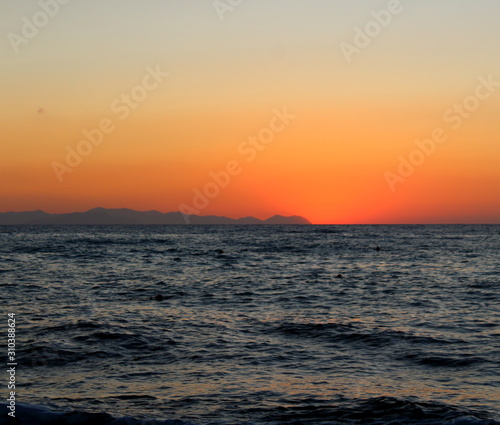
(353, 123)
(327, 165)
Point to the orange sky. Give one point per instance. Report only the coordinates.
(231, 80)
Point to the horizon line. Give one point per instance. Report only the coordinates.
(238, 218)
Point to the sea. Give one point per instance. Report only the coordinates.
(253, 325)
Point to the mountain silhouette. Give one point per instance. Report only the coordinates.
(123, 216)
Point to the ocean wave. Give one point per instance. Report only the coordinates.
(442, 360)
(373, 411)
(348, 332)
(376, 411)
(382, 411)
(41, 354)
(29, 414)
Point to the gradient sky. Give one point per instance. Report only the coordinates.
(353, 121)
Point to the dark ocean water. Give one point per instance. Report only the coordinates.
(265, 332)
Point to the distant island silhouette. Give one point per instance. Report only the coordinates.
(124, 216)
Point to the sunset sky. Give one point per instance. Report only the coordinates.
(234, 74)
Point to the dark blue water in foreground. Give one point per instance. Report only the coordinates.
(263, 333)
